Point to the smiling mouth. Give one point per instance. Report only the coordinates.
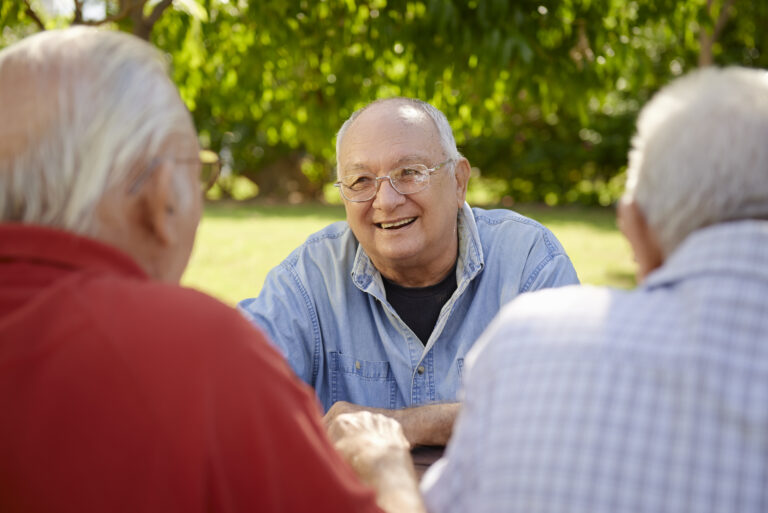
(396, 224)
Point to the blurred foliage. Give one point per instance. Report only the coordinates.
(542, 95)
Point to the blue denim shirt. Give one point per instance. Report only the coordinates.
(325, 308)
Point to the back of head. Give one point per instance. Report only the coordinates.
(82, 110)
(700, 155)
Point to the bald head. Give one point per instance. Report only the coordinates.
(407, 110)
(83, 109)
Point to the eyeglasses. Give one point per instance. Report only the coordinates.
(405, 180)
(210, 167)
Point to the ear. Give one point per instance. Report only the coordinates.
(645, 246)
(159, 206)
(462, 173)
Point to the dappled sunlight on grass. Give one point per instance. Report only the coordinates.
(237, 244)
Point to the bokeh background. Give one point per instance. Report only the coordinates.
(542, 95)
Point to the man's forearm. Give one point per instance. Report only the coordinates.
(427, 425)
(431, 424)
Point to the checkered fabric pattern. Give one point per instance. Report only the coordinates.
(587, 399)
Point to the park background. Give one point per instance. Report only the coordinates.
(542, 97)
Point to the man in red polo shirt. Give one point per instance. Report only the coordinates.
(120, 390)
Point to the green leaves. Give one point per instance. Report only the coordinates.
(542, 95)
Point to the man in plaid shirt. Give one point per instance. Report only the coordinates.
(587, 399)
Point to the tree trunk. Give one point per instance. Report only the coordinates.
(283, 179)
(707, 40)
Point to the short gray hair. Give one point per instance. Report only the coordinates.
(447, 141)
(107, 114)
(700, 155)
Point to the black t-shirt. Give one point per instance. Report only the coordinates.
(419, 307)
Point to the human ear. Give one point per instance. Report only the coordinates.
(159, 206)
(645, 246)
(461, 173)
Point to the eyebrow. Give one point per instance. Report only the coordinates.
(358, 166)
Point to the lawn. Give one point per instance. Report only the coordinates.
(237, 244)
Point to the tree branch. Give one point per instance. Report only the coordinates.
(157, 12)
(706, 40)
(722, 19)
(124, 10)
(32, 14)
(78, 19)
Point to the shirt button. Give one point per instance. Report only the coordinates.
(357, 364)
(420, 370)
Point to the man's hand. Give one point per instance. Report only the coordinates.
(364, 436)
(376, 448)
(423, 425)
(341, 407)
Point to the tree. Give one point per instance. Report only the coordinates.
(542, 95)
(135, 16)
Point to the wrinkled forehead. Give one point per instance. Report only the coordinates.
(389, 134)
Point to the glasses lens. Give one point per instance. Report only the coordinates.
(358, 187)
(408, 180)
(210, 168)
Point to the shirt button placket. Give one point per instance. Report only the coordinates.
(417, 389)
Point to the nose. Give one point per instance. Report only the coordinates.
(387, 198)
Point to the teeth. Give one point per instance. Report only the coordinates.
(397, 223)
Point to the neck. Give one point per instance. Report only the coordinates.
(420, 275)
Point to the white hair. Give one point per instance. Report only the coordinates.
(444, 131)
(700, 155)
(101, 107)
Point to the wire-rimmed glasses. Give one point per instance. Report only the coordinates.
(405, 180)
(210, 167)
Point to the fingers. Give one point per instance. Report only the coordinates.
(338, 408)
(367, 428)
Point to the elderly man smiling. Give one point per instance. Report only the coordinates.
(378, 312)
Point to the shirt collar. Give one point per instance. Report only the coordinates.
(58, 248)
(470, 261)
(738, 247)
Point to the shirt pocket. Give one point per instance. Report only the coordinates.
(362, 382)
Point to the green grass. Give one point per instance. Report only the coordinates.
(237, 244)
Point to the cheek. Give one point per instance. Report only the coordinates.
(443, 209)
(356, 214)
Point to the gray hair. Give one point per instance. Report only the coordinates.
(107, 112)
(444, 131)
(700, 155)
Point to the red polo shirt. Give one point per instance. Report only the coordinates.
(118, 393)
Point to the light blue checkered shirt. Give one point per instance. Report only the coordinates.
(587, 399)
